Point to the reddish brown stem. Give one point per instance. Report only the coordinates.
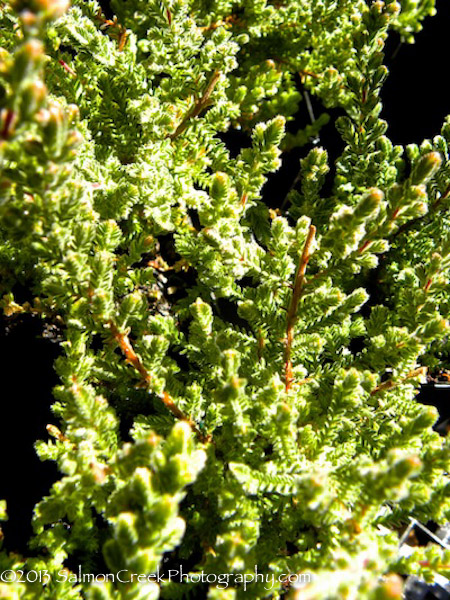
(8, 124)
(127, 349)
(131, 357)
(66, 67)
(205, 438)
(304, 73)
(202, 103)
(426, 563)
(388, 385)
(122, 39)
(371, 238)
(261, 344)
(227, 22)
(428, 285)
(364, 246)
(293, 307)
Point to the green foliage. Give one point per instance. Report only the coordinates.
(212, 410)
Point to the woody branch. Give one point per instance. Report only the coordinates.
(293, 307)
(128, 351)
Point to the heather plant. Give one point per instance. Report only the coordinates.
(234, 395)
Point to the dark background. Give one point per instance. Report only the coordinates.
(415, 104)
(415, 98)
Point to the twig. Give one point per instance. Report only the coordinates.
(229, 21)
(202, 103)
(66, 67)
(118, 31)
(292, 311)
(390, 384)
(304, 73)
(8, 123)
(127, 349)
